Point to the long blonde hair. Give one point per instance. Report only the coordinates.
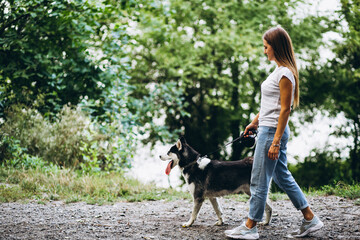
(281, 43)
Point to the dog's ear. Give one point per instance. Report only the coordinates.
(179, 144)
(182, 139)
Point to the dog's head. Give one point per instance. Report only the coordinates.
(180, 154)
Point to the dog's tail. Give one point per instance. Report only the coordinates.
(249, 161)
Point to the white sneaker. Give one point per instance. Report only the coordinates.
(308, 227)
(234, 230)
(243, 232)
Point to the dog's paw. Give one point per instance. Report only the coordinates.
(264, 223)
(187, 224)
(219, 223)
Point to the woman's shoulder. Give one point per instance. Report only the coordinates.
(283, 69)
(285, 72)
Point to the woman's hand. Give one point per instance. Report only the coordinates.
(250, 127)
(253, 125)
(274, 150)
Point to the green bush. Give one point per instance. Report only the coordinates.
(15, 156)
(71, 140)
(10, 150)
(321, 168)
(343, 190)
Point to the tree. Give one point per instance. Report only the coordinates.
(55, 52)
(212, 50)
(335, 87)
(44, 53)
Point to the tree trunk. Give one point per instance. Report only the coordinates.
(235, 122)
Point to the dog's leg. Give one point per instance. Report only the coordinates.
(268, 214)
(196, 208)
(268, 208)
(218, 210)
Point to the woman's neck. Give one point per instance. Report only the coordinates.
(278, 64)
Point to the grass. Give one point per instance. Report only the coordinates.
(238, 197)
(70, 186)
(343, 190)
(43, 185)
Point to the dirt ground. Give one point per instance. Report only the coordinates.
(162, 220)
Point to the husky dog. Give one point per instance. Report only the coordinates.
(210, 178)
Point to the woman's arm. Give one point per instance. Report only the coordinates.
(285, 101)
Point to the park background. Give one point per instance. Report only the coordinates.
(91, 92)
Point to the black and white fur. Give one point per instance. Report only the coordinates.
(210, 178)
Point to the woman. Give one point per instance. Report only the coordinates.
(278, 93)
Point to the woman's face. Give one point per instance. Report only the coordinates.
(269, 51)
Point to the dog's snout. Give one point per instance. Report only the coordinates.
(165, 158)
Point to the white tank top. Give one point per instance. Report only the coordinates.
(270, 96)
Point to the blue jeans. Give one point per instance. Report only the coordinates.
(264, 169)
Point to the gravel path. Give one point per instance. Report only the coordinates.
(162, 220)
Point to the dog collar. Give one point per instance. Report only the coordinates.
(198, 158)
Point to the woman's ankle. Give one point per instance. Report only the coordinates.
(308, 214)
(250, 223)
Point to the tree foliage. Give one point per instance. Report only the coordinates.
(346, 70)
(212, 50)
(60, 52)
(44, 53)
(335, 86)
